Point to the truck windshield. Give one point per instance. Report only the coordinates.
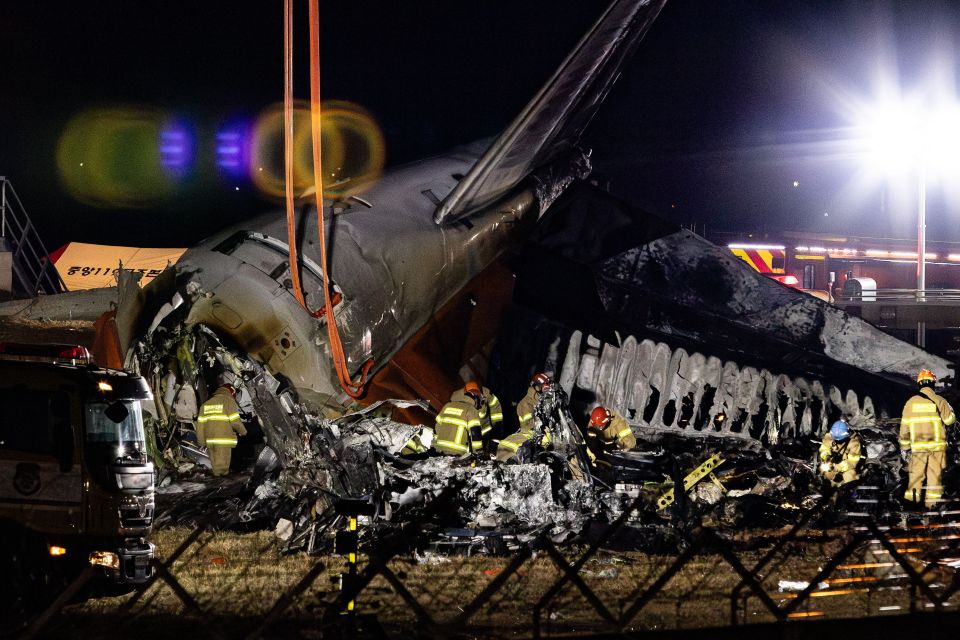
(126, 435)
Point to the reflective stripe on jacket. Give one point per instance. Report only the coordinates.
(218, 422)
(845, 455)
(490, 413)
(453, 428)
(525, 408)
(509, 445)
(922, 425)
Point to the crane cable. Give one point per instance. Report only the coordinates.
(351, 388)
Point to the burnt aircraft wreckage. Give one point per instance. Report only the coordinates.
(760, 396)
(701, 354)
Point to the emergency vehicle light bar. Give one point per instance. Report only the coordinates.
(60, 353)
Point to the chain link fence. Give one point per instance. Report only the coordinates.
(222, 584)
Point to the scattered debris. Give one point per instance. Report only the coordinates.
(791, 586)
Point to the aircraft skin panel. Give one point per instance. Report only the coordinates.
(687, 272)
(394, 266)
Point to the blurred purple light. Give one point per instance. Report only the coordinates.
(176, 148)
(232, 149)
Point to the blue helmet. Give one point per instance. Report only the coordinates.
(840, 431)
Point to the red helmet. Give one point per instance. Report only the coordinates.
(600, 417)
(540, 381)
(472, 389)
(230, 388)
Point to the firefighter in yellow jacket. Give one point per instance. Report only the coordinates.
(465, 423)
(923, 434)
(509, 446)
(528, 402)
(218, 426)
(612, 429)
(840, 453)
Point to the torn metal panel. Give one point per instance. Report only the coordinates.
(85, 305)
(281, 429)
(381, 433)
(494, 495)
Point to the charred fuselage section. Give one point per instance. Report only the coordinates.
(680, 336)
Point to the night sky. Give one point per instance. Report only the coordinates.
(723, 106)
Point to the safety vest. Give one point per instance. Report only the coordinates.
(511, 444)
(845, 455)
(494, 409)
(219, 421)
(453, 428)
(490, 413)
(526, 407)
(922, 425)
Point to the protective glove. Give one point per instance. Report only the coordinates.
(826, 467)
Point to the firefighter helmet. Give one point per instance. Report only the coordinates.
(839, 431)
(472, 389)
(540, 381)
(600, 418)
(926, 377)
(229, 387)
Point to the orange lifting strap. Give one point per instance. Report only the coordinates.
(353, 389)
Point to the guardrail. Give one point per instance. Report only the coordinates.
(901, 295)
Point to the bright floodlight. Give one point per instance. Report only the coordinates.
(892, 133)
(942, 141)
(900, 136)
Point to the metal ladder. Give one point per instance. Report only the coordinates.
(33, 273)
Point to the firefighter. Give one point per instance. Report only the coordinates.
(840, 454)
(611, 428)
(509, 446)
(466, 421)
(419, 443)
(528, 403)
(218, 426)
(923, 439)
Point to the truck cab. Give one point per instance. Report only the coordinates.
(76, 487)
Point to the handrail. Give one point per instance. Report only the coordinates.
(33, 272)
(901, 295)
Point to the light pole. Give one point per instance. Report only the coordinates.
(921, 249)
(907, 136)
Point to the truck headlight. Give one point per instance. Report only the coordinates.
(106, 559)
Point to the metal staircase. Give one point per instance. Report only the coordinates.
(33, 273)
